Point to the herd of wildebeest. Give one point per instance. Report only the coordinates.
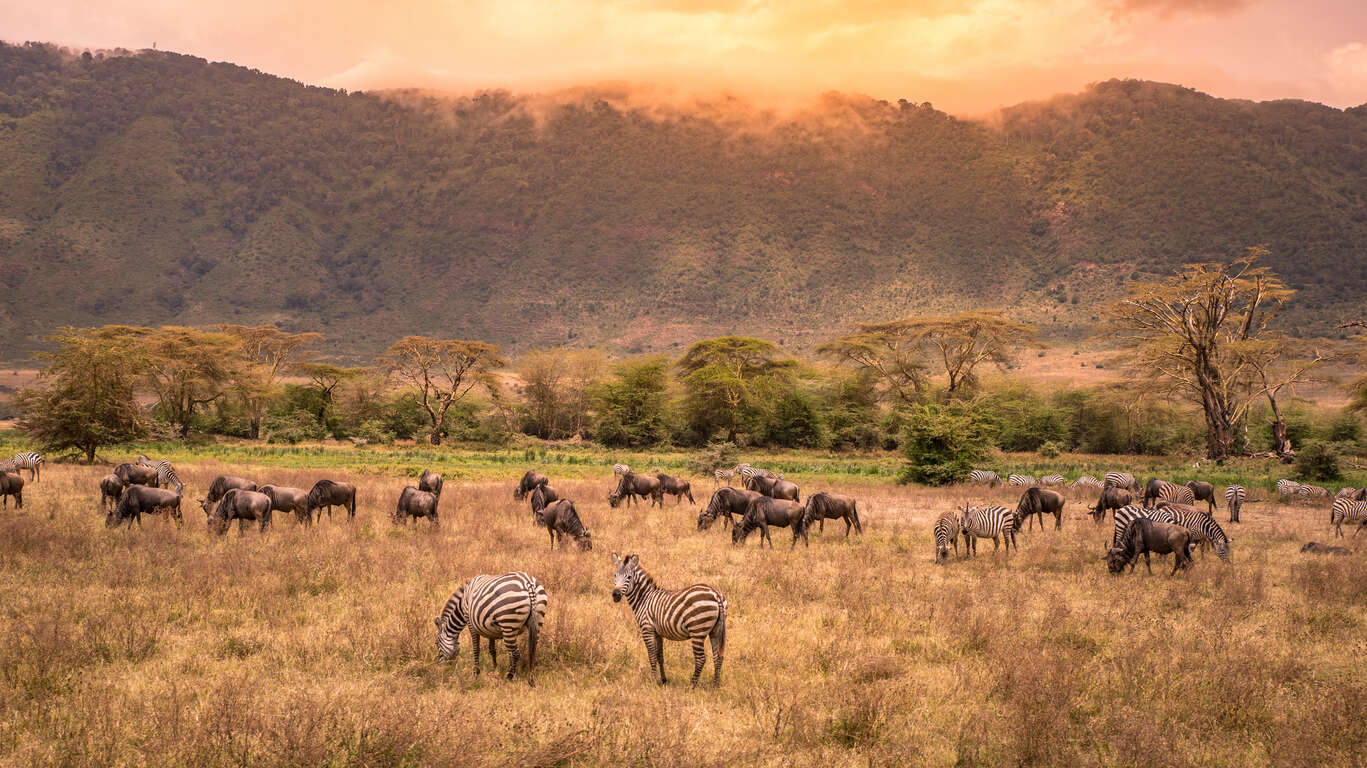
(1157, 517)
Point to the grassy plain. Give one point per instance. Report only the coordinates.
(169, 646)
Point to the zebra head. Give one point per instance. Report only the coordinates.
(450, 624)
(625, 579)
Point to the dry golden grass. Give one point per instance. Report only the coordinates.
(166, 646)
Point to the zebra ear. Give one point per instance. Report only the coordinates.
(616, 559)
(633, 559)
(437, 621)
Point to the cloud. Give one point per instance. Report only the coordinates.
(1170, 7)
(1346, 71)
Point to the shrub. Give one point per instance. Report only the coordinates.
(374, 431)
(942, 443)
(1318, 461)
(1050, 450)
(715, 456)
(1346, 427)
(292, 427)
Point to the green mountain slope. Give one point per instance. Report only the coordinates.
(159, 188)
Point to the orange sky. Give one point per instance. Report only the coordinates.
(966, 56)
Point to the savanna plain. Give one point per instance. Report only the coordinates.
(167, 645)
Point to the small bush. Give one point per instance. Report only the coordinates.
(942, 443)
(1318, 462)
(292, 428)
(1050, 450)
(716, 456)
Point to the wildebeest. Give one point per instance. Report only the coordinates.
(1037, 502)
(285, 499)
(1151, 490)
(220, 487)
(727, 503)
(1142, 536)
(822, 506)
(1111, 498)
(763, 512)
(430, 482)
(541, 496)
(415, 503)
(330, 493)
(1203, 491)
(11, 484)
(774, 487)
(632, 485)
(676, 487)
(139, 500)
(1317, 548)
(530, 480)
(240, 505)
(560, 518)
(136, 474)
(111, 490)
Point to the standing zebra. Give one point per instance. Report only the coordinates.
(1312, 492)
(31, 461)
(1052, 480)
(718, 475)
(1122, 480)
(996, 523)
(1203, 528)
(1126, 514)
(694, 613)
(494, 607)
(1349, 510)
(1020, 480)
(1171, 493)
(166, 474)
(1287, 487)
(1086, 482)
(948, 526)
(984, 477)
(1234, 498)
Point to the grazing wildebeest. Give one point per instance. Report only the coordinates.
(1142, 536)
(675, 487)
(530, 480)
(1203, 491)
(560, 518)
(541, 496)
(430, 482)
(136, 474)
(285, 499)
(240, 505)
(727, 503)
(220, 487)
(139, 500)
(823, 506)
(330, 493)
(1151, 489)
(415, 503)
(632, 485)
(1317, 548)
(11, 484)
(763, 512)
(111, 490)
(1111, 498)
(774, 487)
(1037, 502)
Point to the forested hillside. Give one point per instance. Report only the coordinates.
(158, 188)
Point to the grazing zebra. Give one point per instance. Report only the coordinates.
(1020, 480)
(1349, 510)
(1052, 480)
(31, 461)
(1287, 487)
(494, 607)
(620, 469)
(1312, 492)
(1171, 493)
(1122, 480)
(694, 613)
(1125, 515)
(1204, 530)
(166, 474)
(718, 475)
(948, 526)
(984, 477)
(1234, 499)
(1086, 482)
(996, 523)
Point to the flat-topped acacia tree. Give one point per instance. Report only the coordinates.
(441, 372)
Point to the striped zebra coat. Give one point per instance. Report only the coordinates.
(948, 526)
(494, 607)
(1053, 480)
(696, 614)
(1122, 480)
(1349, 510)
(1312, 492)
(995, 523)
(720, 475)
(1020, 480)
(166, 474)
(1169, 492)
(1234, 499)
(31, 461)
(1203, 528)
(984, 477)
(1287, 487)
(1086, 483)
(620, 469)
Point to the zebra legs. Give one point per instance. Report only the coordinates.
(511, 642)
(699, 658)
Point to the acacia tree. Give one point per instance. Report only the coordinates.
(86, 398)
(556, 389)
(325, 378)
(188, 368)
(270, 352)
(1205, 333)
(441, 372)
(731, 383)
(890, 353)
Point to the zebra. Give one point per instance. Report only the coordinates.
(1171, 493)
(694, 613)
(166, 474)
(1086, 482)
(1203, 528)
(984, 477)
(1312, 492)
(620, 469)
(1053, 480)
(1122, 480)
(718, 475)
(1127, 514)
(1234, 499)
(1349, 510)
(996, 523)
(947, 529)
(31, 461)
(1287, 487)
(494, 607)
(1020, 480)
